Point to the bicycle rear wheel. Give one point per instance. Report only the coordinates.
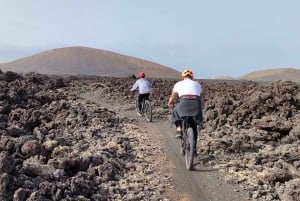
(147, 110)
(189, 149)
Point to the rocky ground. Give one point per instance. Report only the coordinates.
(57, 143)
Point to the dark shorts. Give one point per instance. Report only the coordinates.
(142, 96)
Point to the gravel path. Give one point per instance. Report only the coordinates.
(78, 138)
(163, 151)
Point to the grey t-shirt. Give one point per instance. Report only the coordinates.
(143, 85)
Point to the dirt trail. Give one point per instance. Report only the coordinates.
(200, 184)
(203, 183)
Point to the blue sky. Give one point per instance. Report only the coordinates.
(213, 38)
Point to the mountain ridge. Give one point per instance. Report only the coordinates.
(273, 74)
(89, 61)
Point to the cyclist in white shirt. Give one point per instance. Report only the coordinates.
(144, 87)
(190, 103)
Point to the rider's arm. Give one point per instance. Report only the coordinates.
(172, 99)
(135, 86)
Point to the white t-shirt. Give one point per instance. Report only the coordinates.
(187, 87)
(143, 85)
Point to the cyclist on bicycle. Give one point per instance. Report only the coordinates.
(190, 102)
(144, 87)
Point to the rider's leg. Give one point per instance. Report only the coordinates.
(194, 126)
(140, 98)
(147, 96)
(175, 118)
(178, 124)
(195, 134)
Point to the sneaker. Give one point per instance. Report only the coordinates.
(140, 114)
(178, 134)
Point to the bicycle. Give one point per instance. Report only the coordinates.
(188, 141)
(146, 109)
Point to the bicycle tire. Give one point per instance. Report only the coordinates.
(147, 110)
(189, 149)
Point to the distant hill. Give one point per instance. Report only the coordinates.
(224, 78)
(274, 75)
(87, 61)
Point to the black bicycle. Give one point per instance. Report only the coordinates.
(188, 141)
(146, 109)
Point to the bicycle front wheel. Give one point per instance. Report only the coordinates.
(147, 110)
(189, 149)
(137, 105)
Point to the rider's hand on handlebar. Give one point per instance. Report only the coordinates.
(171, 105)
